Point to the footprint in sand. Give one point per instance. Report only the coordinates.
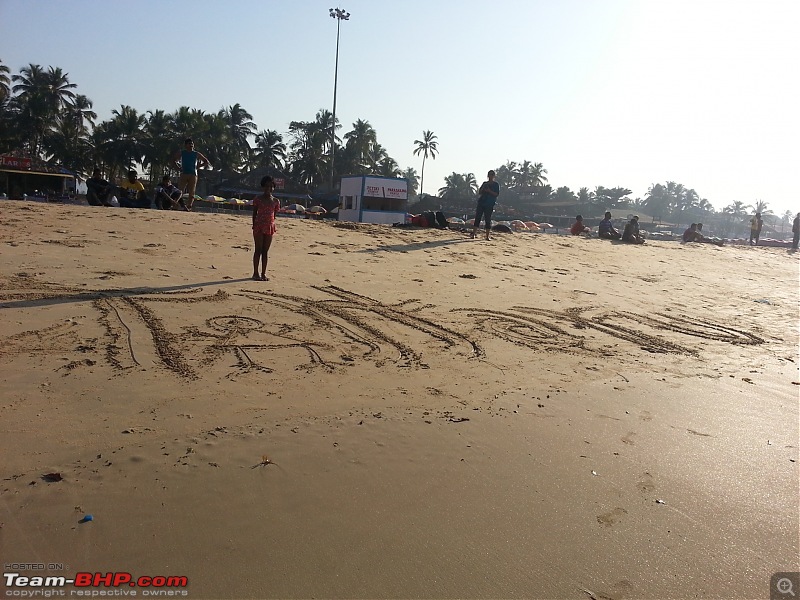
(612, 517)
(646, 484)
(628, 438)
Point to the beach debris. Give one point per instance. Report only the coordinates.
(747, 380)
(52, 477)
(265, 461)
(769, 442)
(453, 419)
(660, 501)
(762, 301)
(468, 276)
(594, 473)
(86, 519)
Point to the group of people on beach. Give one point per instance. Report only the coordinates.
(606, 231)
(487, 198)
(131, 193)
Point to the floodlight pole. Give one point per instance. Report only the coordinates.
(340, 15)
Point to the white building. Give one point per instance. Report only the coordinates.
(372, 199)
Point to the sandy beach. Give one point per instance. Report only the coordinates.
(396, 413)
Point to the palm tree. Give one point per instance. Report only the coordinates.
(270, 151)
(160, 144)
(31, 106)
(59, 89)
(5, 82)
(410, 175)
(241, 127)
(762, 207)
(504, 175)
(123, 139)
(538, 174)
(361, 140)
(428, 146)
(387, 167)
(458, 187)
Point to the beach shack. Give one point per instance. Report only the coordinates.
(18, 178)
(373, 199)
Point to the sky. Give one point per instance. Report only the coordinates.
(613, 93)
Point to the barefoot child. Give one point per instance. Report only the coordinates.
(264, 209)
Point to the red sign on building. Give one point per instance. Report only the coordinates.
(12, 162)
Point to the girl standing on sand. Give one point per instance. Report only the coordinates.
(264, 209)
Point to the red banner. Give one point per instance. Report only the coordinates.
(15, 163)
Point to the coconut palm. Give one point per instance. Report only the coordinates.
(160, 144)
(269, 151)
(387, 167)
(410, 175)
(360, 141)
(459, 187)
(5, 82)
(241, 128)
(504, 175)
(762, 207)
(121, 141)
(427, 146)
(31, 106)
(538, 174)
(309, 155)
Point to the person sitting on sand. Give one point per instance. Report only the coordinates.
(691, 235)
(606, 229)
(707, 240)
(169, 196)
(132, 194)
(98, 190)
(578, 228)
(630, 235)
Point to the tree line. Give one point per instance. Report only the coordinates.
(43, 117)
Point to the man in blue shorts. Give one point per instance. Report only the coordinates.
(189, 161)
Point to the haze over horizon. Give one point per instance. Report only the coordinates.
(625, 93)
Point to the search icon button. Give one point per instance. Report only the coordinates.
(784, 585)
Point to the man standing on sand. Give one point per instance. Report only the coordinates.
(796, 231)
(755, 229)
(487, 197)
(189, 161)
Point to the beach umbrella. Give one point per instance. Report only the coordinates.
(317, 209)
(531, 224)
(518, 226)
(545, 226)
(296, 207)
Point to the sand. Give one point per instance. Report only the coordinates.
(396, 413)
